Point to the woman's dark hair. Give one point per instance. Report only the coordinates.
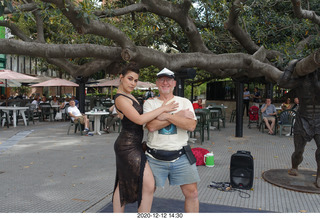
(132, 66)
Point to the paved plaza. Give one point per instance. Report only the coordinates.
(44, 170)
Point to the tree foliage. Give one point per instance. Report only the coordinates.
(236, 39)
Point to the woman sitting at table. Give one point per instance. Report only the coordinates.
(54, 101)
(112, 118)
(286, 105)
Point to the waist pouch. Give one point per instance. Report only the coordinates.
(165, 155)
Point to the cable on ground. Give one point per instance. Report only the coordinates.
(226, 187)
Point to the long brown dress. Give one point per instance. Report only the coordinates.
(130, 159)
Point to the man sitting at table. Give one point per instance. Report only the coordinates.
(75, 115)
(269, 112)
(44, 100)
(198, 105)
(112, 118)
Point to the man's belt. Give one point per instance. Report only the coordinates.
(165, 155)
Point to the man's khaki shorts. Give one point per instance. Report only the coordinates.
(80, 118)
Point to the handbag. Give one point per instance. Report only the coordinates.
(58, 116)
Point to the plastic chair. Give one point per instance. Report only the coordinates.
(216, 115)
(4, 118)
(206, 121)
(30, 112)
(262, 123)
(45, 111)
(233, 115)
(286, 119)
(119, 125)
(200, 125)
(77, 125)
(65, 114)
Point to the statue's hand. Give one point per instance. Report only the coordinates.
(292, 64)
(288, 71)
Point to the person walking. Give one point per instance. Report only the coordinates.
(246, 100)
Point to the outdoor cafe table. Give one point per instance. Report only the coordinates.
(7, 109)
(56, 106)
(97, 116)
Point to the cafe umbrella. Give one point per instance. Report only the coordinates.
(56, 82)
(10, 83)
(12, 75)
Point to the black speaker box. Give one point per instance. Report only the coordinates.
(241, 170)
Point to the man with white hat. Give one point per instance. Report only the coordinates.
(167, 141)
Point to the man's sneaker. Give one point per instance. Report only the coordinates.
(89, 134)
(86, 130)
(289, 134)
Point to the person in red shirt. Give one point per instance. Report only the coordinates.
(197, 105)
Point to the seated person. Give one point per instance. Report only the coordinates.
(112, 118)
(149, 94)
(36, 101)
(44, 100)
(296, 104)
(75, 115)
(198, 105)
(269, 112)
(65, 102)
(54, 101)
(75, 100)
(286, 105)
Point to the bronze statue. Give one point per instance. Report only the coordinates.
(307, 122)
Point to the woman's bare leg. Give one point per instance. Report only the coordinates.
(148, 189)
(116, 201)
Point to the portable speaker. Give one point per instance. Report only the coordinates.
(241, 170)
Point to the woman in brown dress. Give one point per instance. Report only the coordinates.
(134, 179)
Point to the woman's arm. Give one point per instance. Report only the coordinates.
(125, 106)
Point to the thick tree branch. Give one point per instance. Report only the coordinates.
(93, 66)
(40, 28)
(24, 7)
(308, 64)
(84, 70)
(232, 25)
(306, 14)
(9, 46)
(121, 11)
(145, 57)
(64, 64)
(95, 27)
(177, 12)
(15, 30)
